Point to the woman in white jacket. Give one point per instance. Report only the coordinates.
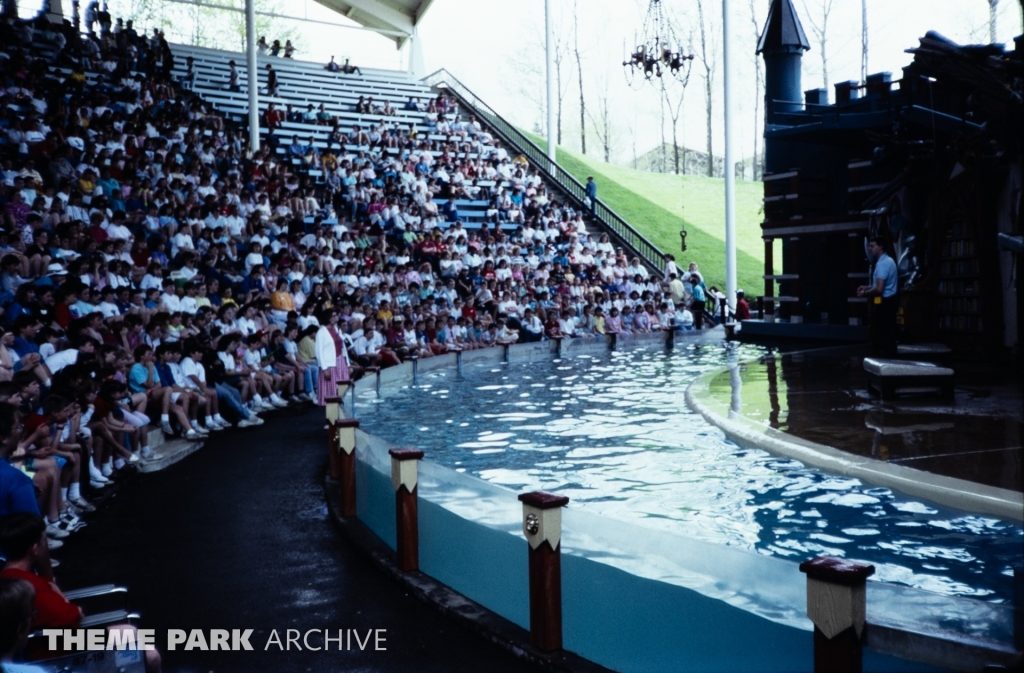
(331, 357)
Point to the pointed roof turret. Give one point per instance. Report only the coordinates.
(782, 30)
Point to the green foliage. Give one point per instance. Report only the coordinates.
(207, 26)
(658, 205)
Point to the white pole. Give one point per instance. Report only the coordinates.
(550, 48)
(728, 78)
(254, 93)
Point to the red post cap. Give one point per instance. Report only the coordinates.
(346, 423)
(543, 500)
(837, 570)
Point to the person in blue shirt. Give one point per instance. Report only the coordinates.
(450, 211)
(592, 193)
(699, 299)
(17, 492)
(883, 289)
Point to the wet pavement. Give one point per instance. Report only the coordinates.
(822, 396)
(237, 536)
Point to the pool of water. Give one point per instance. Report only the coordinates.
(613, 433)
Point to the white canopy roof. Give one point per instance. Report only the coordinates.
(395, 18)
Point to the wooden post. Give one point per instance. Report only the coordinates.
(769, 283)
(334, 410)
(836, 603)
(1018, 608)
(407, 533)
(542, 525)
(796, 313)
(343, 442)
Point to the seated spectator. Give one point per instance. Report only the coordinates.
(332, 66)
(349, 69)
(17, 598)
(23, 542)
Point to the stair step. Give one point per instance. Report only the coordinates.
(171, 451)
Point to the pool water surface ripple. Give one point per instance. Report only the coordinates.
(613, 433)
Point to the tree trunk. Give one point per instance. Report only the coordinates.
(992, 6)
(755, 165)
(709, 66)
(663, 166)
(864, 40)
(558, 112)
(579, 72)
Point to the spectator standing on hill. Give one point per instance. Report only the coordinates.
(592, 194)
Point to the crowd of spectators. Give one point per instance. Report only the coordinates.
(154, 271)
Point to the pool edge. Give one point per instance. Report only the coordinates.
(949, 491)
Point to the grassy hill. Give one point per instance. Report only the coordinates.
(657, 204)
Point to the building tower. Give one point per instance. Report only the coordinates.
(782, 44)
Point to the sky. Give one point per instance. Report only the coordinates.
(495, 47)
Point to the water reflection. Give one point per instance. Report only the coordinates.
(614, 434)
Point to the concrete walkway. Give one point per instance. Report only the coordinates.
(237, 536)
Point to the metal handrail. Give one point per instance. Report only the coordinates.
(625, 234)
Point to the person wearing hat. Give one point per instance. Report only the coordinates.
(742, 307)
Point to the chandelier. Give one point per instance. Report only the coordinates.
(658, 50)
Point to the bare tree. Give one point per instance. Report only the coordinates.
(864, 40)
(579, 74)
(707, 56)
(993, 5)
(662, 98)
(603, 123)
(819, 27)
(758, 85)
(528, 65)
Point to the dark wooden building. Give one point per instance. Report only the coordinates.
(931, 160)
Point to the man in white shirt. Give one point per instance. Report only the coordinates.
(169, 299)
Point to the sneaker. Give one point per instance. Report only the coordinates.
(55, 531)
(192, 434)
(200, 429)
(83, 504)
(166, 427)
(133, 459)
(52, 544)
(222, 422)
(213, 426)
(247, 422)
(54, 563)
(107, 470)
(150, 454)
(278, 402)
(96, 475)
(99, 484)
(256, 419)
(70, 521)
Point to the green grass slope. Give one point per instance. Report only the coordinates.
(658, 205)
